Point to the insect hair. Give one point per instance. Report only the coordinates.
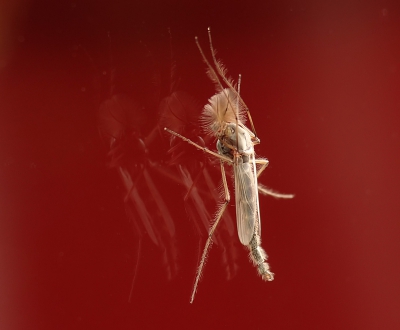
(222, 108)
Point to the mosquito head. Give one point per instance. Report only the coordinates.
(220, 110)
(230, 131)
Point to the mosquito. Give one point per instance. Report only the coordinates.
(224, 117)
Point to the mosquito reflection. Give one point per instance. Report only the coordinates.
(127, 123)
(140, 177)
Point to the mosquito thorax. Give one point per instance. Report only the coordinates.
(243, 144)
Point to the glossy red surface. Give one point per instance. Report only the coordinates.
(323, 84)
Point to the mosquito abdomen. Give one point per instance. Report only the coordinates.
(259, 257)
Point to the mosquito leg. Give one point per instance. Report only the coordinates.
(194, 182)
(265, 190)
(264, 163)
(198, 202)
(139, 204)
(125, 174)
(270, 192)
(210, 234)
(222, 158)
(228, 221)
(169, 223)
(135, 271)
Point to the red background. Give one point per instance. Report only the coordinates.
(322, 79)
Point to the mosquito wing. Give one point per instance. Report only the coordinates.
(246, 194)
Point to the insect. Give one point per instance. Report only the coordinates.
(224, 117)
